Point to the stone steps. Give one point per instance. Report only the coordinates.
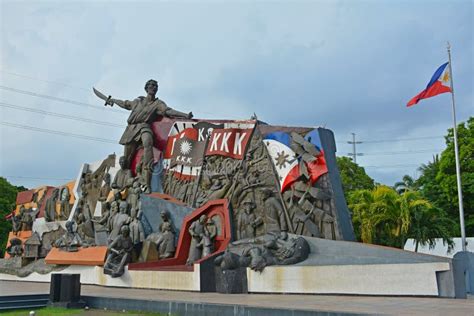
(23, 301)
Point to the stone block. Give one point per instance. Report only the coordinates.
(65, 291)
(231, 281)
(92, 256)
(148, 252)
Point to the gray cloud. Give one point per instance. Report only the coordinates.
(348, 66)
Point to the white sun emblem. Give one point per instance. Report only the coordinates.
(185, 147)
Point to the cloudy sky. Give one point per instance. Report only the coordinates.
(350, 66)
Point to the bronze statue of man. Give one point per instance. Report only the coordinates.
(144, 111)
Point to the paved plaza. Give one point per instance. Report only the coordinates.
(320, 303)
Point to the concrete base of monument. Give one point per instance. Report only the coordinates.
(333, 267)
(418, 279)
(340, 267)
(94, 275)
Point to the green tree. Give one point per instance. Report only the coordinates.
(372, 212)
(407, 184)
(8, 194)
(429, 223)
(427, 184)
(438, 178)
(353, 176)
(382, 216)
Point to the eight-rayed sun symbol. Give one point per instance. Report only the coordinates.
(185, 147)
(282, 159)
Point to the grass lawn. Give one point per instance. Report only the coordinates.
(46, 311)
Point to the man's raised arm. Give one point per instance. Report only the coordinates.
(127, 105)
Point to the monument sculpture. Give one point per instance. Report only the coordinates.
(213, 203)
(201, 241)
(71, 240)
(247, 221)
(144, 110)
(119, 253)
(258, 253)
(15, 249)
(118, 220)
(165, 243)
(123, 177)
(65, 206)
(50, 210)
(105, 189)
(27, 216)
(16, 224)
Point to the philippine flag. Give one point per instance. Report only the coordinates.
(439, 83)
(283, 158)
(286, 162)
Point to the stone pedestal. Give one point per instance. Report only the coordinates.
(65, 291)
(231, 281)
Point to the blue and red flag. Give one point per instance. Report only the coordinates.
(439, 83)
(285, 160)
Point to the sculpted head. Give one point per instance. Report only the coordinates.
(166, 226)
(151, 87)
(107, 178)
(164, 215)
(125, 230)
(70, 226)
(122, 162)
(203, 219)
(248, 205)
(123, 207)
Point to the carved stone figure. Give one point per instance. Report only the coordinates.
(274, 213)
(65, 206)
(27, 218)
(208, 238)
(42, 199)
(105, 189)
(15, 249)
(136, 229)
(165, 244)
(104, 216)
(247, 221)
(71, 240)
(144, 111)
(114, 210)
(165, 221)
(50, 209)
(85, 230)
(16, 224)
(119, 220)
(86, 210)
(119, 253)
(144, 173)
(133, 196)
(197, 230)
(270, 249)
(123, 177)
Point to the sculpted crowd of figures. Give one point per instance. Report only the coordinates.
(274, 178)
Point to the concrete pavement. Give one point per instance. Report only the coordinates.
(316, 303)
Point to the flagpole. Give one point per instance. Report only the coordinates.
(456, 153)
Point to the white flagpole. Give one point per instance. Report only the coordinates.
(456, 153)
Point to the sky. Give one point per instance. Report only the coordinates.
(350, 66)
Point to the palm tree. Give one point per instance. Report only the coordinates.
(429, 223)
(407, 184)
(382, 216)
(372, 211)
